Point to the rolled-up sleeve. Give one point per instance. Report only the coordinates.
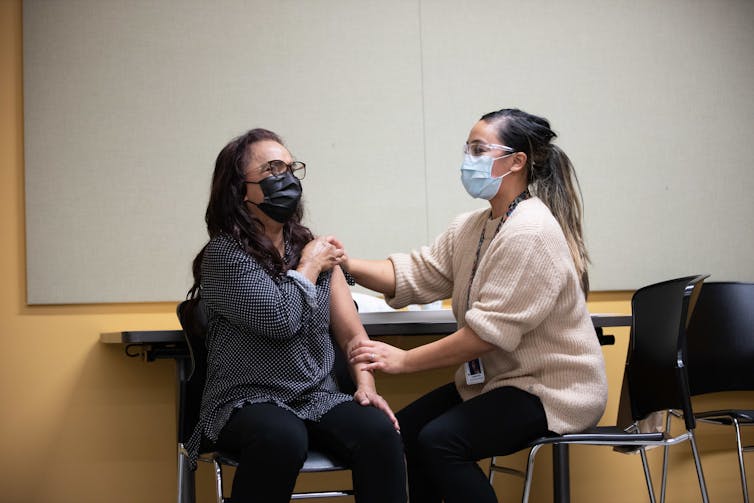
(424, 275)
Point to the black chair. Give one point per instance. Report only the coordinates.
(656, 379)
(192, 316)
(720, 345)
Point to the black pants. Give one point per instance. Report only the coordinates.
(271, 445)
(445, 437)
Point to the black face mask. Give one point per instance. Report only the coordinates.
(282, 194)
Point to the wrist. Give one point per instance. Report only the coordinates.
(409, 363)
(364, 380)
(308, 269)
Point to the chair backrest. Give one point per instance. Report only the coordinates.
(720, 339)
(656, 363)
(193, 318)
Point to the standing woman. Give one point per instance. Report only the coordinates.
(274, 295)
(516, 271)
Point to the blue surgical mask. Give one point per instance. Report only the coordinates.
(476, 176)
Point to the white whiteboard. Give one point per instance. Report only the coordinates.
(126, 105)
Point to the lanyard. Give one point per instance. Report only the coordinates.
(512, 206)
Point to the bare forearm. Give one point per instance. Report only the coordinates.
(457, 348)
(347, 328)
(360, 379)
(377, 275)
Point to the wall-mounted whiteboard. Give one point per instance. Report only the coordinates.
(126, 105)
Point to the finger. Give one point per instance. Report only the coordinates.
(394, 421)
(360, 349)
(388, 411)
(384, 407)
(362, 344)
(371, 367)
(363, 355)
(333, 240)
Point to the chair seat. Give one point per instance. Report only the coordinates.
(726, 416)
(316, 461)
(608, 434)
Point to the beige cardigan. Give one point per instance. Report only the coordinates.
(525, 299)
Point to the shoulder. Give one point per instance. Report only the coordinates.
(469, 220)
(225, 249)
(470, 216)
(222, 244)
(533, 227)
(533, 217)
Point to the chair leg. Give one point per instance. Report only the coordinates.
(218, 482)
(665, 456)
(529, 473)
(494, 467)
(186, 492)
(699, 472)
(741, 460)
(180, 476)
(647, 474)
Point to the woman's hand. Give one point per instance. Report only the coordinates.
(377, 355)
(371, 397)
(319, 255)
(343, 259)
(377, 275)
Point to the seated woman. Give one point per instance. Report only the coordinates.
(275, 299)
(517, 273)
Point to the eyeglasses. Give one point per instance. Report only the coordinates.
(476, 148)
(278, 167)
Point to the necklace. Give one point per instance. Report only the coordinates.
(512, 206)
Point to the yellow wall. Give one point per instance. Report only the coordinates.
(83, 423)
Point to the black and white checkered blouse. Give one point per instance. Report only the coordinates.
(268, 340)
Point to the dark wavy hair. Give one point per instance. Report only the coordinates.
(228, 213)
(550, 175)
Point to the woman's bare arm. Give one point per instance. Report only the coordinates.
(349, 333)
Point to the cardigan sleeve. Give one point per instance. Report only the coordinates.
(424, 275)
(521, 278)
(239, 289)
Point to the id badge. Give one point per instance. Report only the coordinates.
(474, 371)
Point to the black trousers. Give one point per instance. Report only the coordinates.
(445, 437)
(271, 445)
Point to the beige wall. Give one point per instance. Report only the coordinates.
(81, 422)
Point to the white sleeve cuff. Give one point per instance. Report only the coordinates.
(306, 287)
